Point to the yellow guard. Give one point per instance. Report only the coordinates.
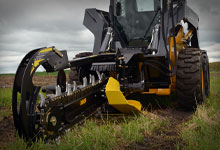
(118, 100)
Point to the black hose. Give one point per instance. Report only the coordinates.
(156, 68)
(172, 72)
(164, 36)
(160, 64)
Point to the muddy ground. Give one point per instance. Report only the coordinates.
(164, 139)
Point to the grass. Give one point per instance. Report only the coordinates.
(5, 97)
(203, 131)
(108, 133)
(101, 134)
(199, 133)
(7, 74)
(5, 102)
(214, 67)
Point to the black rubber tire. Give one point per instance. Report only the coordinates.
(206, 72)
(189, 83)
(75, 73)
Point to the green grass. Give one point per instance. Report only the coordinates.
(5, 102)
(5, 97)
(214, 67)
(108, 133)
(203, 131)
(20, 144)
(101, 134)
(7, 74)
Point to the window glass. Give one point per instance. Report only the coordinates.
(122, 6)
(145, 5)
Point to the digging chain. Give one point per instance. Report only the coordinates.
(61, 101)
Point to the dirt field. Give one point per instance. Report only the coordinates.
(7, 132)
(7, 81)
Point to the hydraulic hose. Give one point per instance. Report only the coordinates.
(164, 36)
(171, 72)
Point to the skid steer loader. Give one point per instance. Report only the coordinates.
(141, 46)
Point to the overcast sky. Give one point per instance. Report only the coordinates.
(30, 24)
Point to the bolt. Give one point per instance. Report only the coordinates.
(121, 58)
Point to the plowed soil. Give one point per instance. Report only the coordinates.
(7, 132)
(7, 81)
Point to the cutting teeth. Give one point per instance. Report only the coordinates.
(58, 90)
(102, 76)
(93, 80)
(42, 100)
(69, 89)
(99, 75)
(90, 78)
(85, 82)
(67, 84)
(74, 86)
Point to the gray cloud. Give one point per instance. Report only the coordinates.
(30, 24)
(209, 14)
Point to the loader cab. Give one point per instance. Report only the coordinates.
(132, 21)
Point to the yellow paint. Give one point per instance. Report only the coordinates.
(172, 58)
(36, 64)
(118, 100)
(46, 50)
(180, 44)
(160, 92)
(181, 39)
(82, 102)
